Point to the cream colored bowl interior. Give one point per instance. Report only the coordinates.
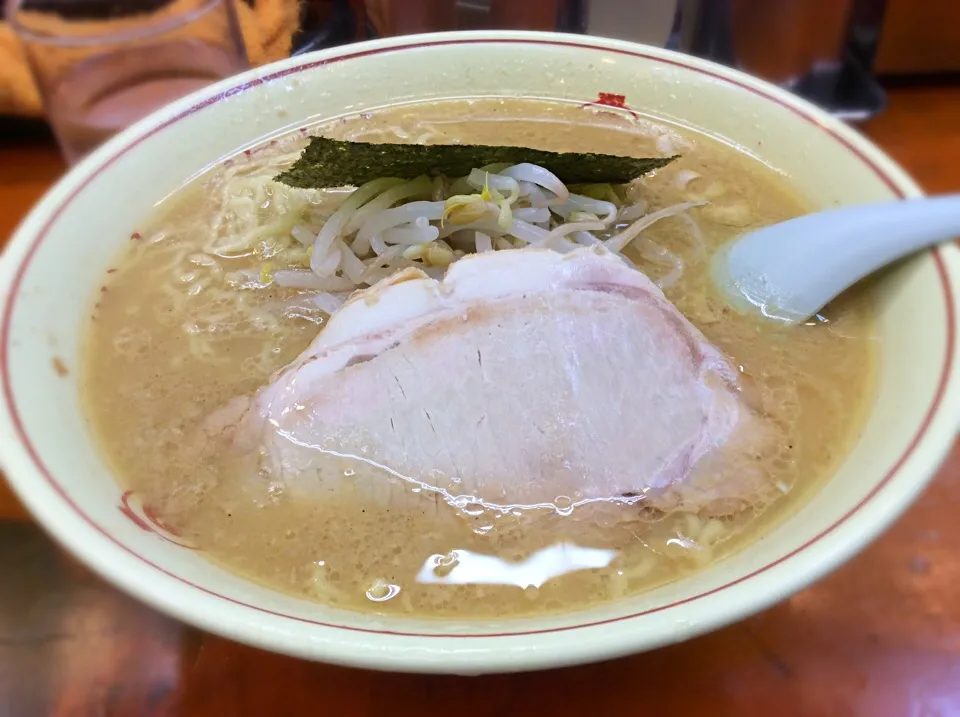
(56, 260)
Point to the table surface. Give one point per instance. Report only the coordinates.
(879, 637)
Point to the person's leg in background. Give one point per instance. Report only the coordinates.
(404, 17)
(523, 14)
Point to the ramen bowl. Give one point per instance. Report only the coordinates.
(53, 264)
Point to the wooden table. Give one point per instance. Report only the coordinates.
(880, 637)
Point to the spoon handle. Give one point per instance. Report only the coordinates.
(792, 269)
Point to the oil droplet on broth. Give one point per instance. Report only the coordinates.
(381, 591)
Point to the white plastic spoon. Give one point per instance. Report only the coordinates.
(789, 271)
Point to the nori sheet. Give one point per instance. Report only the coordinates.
(327, 163)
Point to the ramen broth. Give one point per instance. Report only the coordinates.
(185, 322)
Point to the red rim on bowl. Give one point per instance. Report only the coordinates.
(948, 297)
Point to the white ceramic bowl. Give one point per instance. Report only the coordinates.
(52, 266)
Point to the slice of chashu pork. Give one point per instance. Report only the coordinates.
(524, 377)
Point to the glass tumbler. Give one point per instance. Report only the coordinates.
(101, 65)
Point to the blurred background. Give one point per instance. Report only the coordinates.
(880, 637)
(80, 65)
